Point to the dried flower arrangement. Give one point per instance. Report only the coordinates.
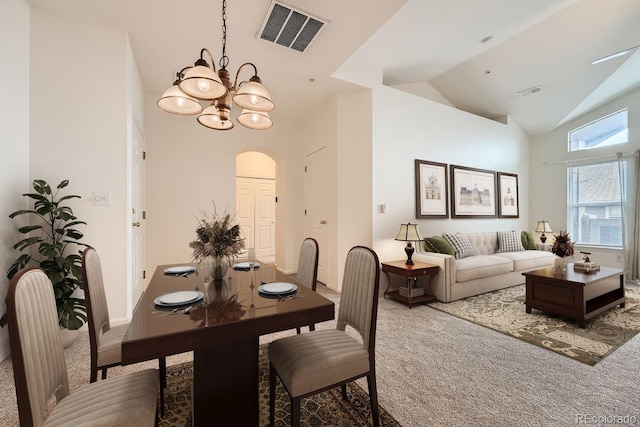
(217, 237)
(562, 245)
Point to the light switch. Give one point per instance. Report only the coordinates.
(101, 199)
(382, 208)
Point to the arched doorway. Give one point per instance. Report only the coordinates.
(255, 202)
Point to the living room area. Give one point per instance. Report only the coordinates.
(434, 368)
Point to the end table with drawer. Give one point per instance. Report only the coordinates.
(411, 294)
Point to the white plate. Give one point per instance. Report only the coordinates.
(179, 298)
(179, 270)
(245, 266)
(277, 288)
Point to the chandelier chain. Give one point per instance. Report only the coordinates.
(224, 59)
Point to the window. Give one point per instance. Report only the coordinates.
(594, 208)
(609, 130)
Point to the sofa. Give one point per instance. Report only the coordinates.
(493, 261)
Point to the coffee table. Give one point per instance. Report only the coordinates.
(574, 294)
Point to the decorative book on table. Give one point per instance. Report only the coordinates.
(586, 267)
(415, 292)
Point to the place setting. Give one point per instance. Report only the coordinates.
(178, 302)
(278, 290)
(179, 271)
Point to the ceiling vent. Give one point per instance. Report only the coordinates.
(290, 27)
(530, 91)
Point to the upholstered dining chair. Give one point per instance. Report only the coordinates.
(40, 370)
(308, 267)
(105, 341)
(319, 360)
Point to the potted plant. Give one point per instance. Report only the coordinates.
(48, 243)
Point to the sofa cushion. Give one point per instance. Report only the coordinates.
(528, 240)
(481, 266)
(484, 242)
(461, 244)
(529, 260)
(509, 241)
(439, 245)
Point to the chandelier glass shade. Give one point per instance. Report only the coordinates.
(201, 82)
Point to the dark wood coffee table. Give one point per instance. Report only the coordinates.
(573, 294)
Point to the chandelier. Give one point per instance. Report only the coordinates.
(202, 83)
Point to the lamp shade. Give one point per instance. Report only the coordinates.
(176, 101)
(215, 118)
(408, 233)
(258, 120)
(543, 227)
(253, 96)
(203, 83)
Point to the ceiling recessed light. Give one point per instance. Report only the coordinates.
(530, 91)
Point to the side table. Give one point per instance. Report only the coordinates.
(411, 272)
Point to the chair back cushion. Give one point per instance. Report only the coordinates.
(94, 295)
(359, 299)
(308, 263)
(37, 354)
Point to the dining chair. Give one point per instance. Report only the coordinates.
(319, 360)
(106, 341)
(308, 267)
(40, 370)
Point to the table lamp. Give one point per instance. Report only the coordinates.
(543, 227)
(409, 233)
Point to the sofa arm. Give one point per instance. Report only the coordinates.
(441, 282)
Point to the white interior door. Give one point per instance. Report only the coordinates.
(137, 216)
(245, 216)
(315, 207)
(255, 213)
(265, 217)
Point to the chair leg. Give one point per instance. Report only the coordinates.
(272, 395)
(104, 373)
(162, 369)
(373, 396)
(94, 374)
(295, 411)
(312, 327)
(298, 330)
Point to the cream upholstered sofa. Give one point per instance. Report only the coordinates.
(485, 270)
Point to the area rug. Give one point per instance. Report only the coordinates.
(504, 311)
(323, 409)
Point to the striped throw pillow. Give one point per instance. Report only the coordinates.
(461, 245)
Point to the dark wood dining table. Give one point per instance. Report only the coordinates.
(223, 335)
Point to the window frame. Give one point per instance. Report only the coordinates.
(591, 123)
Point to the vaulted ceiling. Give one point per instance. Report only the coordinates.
(478, 54)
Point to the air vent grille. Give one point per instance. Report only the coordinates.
(289, 27)
(530, 91)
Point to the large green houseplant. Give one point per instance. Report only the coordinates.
(49, 243)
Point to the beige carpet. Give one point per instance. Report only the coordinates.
(504, 311)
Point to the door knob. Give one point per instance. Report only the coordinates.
(136, 224)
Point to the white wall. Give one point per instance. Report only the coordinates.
(14, 135)
(407, 127)
(79, 111)
(549, 181)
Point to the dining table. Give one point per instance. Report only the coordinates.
(223, 333)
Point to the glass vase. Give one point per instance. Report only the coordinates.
(220, 266)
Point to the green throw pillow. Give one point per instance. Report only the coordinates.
(439, 244)
(528, 240)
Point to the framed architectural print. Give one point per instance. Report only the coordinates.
(431, 190)
(508, 203)
(473, 193)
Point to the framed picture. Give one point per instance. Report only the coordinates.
(508, 203)
(473, 193)
(431, 190)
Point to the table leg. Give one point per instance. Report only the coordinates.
(388, 284)
(225, 384)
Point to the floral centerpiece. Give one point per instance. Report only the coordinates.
(219, 238)
(562, 247)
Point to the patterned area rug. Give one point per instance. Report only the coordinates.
(323, 409)
(504, 311)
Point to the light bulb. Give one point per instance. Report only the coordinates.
(255, 118)
(253, 100)
(203, 85)
(180, 101)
